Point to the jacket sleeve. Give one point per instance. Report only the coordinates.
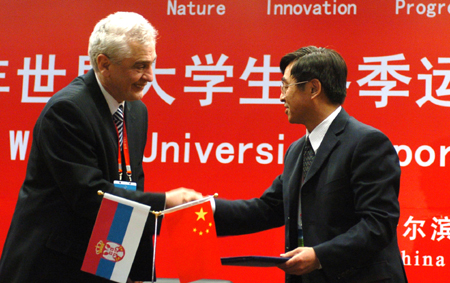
(249, 216)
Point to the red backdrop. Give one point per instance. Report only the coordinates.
(215, 123)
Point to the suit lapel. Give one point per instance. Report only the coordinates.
(294, 188)
(330, 141)
(103, 108)
(296, 177)
(130, 116)
(134, 132)
(130, 122)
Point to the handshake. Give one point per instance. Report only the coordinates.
(181, 195)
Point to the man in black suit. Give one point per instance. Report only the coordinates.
(75, 153)
(338, 193)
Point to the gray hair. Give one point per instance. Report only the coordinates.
(112, 34)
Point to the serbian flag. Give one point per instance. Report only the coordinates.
(115, 238)
(192, 234)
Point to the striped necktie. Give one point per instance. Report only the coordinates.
(118, 120)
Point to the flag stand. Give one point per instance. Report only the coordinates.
(167, 211)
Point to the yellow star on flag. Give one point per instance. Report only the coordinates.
(201, 214)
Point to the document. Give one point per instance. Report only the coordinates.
(257, 261)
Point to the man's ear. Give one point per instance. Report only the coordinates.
(316, 87)
(103, 64)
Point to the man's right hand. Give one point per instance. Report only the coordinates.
(181, 195)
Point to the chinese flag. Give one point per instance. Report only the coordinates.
(192, 235)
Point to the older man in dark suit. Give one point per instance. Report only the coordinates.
(75, 152)
(338, 193)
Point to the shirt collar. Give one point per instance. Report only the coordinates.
(317, 135)
(112, 103)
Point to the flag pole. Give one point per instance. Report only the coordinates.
(155, 236)
(185, 205)
(175, 208)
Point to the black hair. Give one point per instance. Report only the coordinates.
(320, 63)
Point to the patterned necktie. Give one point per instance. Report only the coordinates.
(308, 156)
(118, 120)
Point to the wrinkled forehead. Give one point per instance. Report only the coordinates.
(146, 51)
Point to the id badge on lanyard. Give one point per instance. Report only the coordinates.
(119, 183)
(125, 185)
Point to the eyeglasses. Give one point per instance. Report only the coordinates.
(284, 87)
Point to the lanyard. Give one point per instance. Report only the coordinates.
(125, 153)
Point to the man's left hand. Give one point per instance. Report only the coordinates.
(303, 260)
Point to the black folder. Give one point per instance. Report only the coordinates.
(257, 261)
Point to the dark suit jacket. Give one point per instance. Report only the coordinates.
(73, 155)
(349, 205)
